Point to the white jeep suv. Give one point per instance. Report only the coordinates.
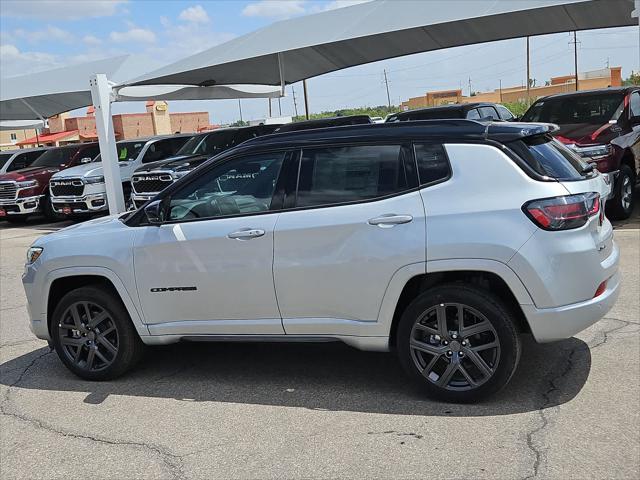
(440, 240)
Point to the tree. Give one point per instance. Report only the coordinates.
(634, 79)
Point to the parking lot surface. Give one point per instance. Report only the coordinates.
(319, 410)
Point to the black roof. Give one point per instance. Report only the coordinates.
(440, 130)
(326, 122)
(452, 107)
(588, 93)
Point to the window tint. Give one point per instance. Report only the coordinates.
(504, 113)
(592, 109)
(473, 114)
(127, 151)
(634, 104)
(550, 158)
(433, 165)
(489, 112)
(240, 186)
(4, 158)
(56, 157)
(23, 160)
(347, 174)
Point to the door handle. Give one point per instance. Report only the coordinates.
(389, 220)
(246, 234)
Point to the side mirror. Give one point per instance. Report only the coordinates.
(154, 212)
(86, 160)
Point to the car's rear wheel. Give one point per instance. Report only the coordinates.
(93, 334)
(48, 211)
(460, 343)
(621, 205)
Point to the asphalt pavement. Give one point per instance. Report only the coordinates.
(317, 411)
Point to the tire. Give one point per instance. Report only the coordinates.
(17, 219)
(117, 329)
(621, 205)
(486, 370)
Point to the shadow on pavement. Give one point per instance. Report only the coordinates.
(315, 376)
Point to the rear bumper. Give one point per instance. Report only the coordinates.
(94, 202)
(21, 206)
(550, 324)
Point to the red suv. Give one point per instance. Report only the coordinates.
(24, 192)
(603, 127)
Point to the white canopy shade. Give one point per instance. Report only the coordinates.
(43, 94)
(21, 124)
(185, 92)
(304, 47)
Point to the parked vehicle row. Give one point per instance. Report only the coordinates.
(321, 235)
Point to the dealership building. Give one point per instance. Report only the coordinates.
(606, 77)
(157, 120)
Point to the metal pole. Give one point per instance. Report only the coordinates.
(500, 90)
(386, 82)
(279, 107)
(37, 139)
(528, 70)
(295, 104)
(240, 108)
(269, 108)
(575, 57)
(101, 97)
(306, 99)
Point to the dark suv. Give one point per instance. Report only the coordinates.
(151, 178)
(469, 111)
(603, 127)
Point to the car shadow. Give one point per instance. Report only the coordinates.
(328, 376)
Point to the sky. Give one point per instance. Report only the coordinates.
(38, 35)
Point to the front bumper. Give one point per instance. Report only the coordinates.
(89, 203)
(21, 205)
(551, 324)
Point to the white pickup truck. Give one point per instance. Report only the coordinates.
(81, 190)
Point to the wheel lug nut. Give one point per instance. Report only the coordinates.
(461, 354)
(444, 342)
(449, 353)
(454, 336)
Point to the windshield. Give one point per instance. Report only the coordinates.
(209, 144)
(550, 158)
(127, 151)
(592, 109)
(56, 157)
(4, 158)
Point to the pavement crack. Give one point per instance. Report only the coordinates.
(606, 333)
(172, 461)
(553, 386)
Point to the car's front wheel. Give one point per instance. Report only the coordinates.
(620, 206)
(459, 342)
(93, 334)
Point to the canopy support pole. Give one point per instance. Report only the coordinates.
(281, 71)
(101, 97)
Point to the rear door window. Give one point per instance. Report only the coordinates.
(489, 112)
(473, 114)
(550, 158)
(433, 165)
(336, 175)
(505, 113)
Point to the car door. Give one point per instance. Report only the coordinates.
(208, 268)
(357, 218)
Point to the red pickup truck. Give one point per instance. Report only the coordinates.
(603, 127)
(24, 192)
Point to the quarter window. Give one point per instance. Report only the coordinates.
(505, 113)
(330, 176)
(634, 104)
(238, 187)
(433, 165)
(473, 114)
(489, 112)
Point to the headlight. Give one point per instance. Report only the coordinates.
(27, 184)
(99, 179)
(33, 254)
(594, 152)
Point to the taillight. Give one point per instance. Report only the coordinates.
(563, 213)
(601, 289)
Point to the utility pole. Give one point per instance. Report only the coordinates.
(386, 82)
(240, 108)
(306, 99)
(469, 86)
(500, 90)
(295, 104)
(575, 58)
(528, 70)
